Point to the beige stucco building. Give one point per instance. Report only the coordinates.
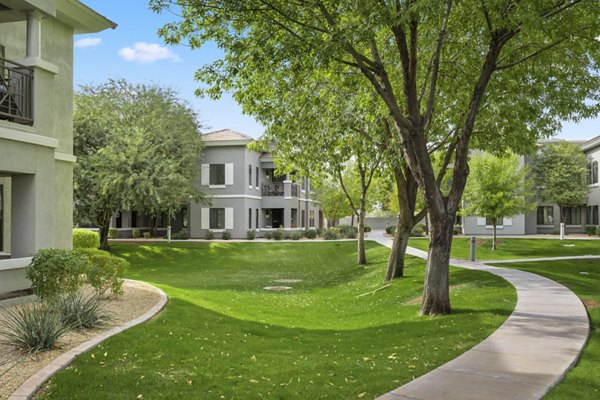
(36, 127)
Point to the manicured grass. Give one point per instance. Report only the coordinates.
(222, 336)
(583, 278)
(512, 248)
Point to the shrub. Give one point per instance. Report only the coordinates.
(278, 234)
(457, 230)
(390, 230)
(209, 235)
(590, 230)
(250, 234)
(367, 228)
(80, 311)
(418, 230)
(287, 235)
(351, 234)
(310, 233)
(146, 235)
(85, 239)
(296, 235)
(348, 230)
(598, 230)
(33, 327)
(105, 271)
(226, 235)
(56, 271)
(330, 234)
(113, 233)
(135, 233)
(268, 235)
(181, 235)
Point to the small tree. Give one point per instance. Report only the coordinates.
(498, 188)
(560, 172)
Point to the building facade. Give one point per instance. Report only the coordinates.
(244, 193)
(36, 128)
(545, 219)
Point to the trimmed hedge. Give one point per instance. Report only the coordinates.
(85, 239)
(53, 272)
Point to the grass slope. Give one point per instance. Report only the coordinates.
(223, 337)
(582, 277)
(512, 248)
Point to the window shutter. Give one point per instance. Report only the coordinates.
(205, 218)
(229, 174)
(507, 221)
(205, 174)
(229, 217)
(480, 221)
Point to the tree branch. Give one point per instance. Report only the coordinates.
(534, 54)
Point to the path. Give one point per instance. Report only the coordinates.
(524, 358)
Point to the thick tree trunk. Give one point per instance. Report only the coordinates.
(395, 268)
(436, 295)
(103, 230)
(362, 257)
(494, 237)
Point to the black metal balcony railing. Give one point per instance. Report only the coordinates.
(272, 189)
(16, 92)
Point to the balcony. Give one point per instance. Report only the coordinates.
(294, 190)
(273, 189)
(16, 92)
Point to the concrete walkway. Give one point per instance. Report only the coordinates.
(524, 358)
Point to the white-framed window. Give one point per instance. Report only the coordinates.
(591, 215)
(490, 221)
(256, 177)
(249, 218)
(545, 215)
(250, 176)
(573, 216)
(311, 218)
(593, 172)
(216, 175)
(217, 218)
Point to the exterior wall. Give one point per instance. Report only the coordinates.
(510, 226)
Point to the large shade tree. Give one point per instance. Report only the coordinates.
(137, 148)
(500, 73)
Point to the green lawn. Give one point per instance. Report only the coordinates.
(511, 248)
(222, 336)
(583, 278)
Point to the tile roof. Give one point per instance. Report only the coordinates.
(225, 134)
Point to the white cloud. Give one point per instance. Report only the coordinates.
(147, 53)
(88, 42)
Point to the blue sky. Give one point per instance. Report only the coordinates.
(134, 51)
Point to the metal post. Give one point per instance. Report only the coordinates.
(169, 233)
(562, 231)
(473, 244)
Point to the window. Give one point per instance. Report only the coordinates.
(573, 216)
(134, 219)
(217, 218)
(490, 221)
(250, 217)
(257, 178)
(249, 175)
(545, 215)
(593, 172)
(591, 215)
(256, 216)
(311, 218)
(217, 174)
(302, 221)
(119, 221)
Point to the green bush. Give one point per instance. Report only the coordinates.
(310, 233)
(226, 235)
(351, 235)
(457, 230)
(32, 327)
(181, 235)
(367, 228)
(418, 230)
(598, 230)
(85, 239)
(348, 231)
(268, 235)
(113, 233)
(80, 311)
(250, 234)
(390, 230)
(296, 235)
(56, 271)
(277, 234)
(105, 271)
(135, 233)
(287, 235)
(330, 234)
(146, 235)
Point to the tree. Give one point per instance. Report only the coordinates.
(332, 200)
(448, 73)
(560, 171)
(498, 187)
(137, 148)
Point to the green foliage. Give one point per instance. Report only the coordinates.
(113, 233)
(367, 228)
(390, 229)
(598, 230)
(85, 239)
(183, 235)
(135, 233)
(250, 234)
(296, 235)
(32, 327)
(268, 235)
(277, 234)
(80, 311)
(560, 171)
(330, 234)
(591, 229)
(226, 235)
(418, 230)
(498, 187)
(105, 271)
(332, 200)
(146, 235)
(56, 271)
(346, 230)
(209, 235)
(310, 233)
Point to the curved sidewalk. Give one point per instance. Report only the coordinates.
(524, 358)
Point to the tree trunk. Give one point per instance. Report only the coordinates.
(103, 223)
(494, 236)
(362, 257)
(352, 220)
(395, 268)
(436, 295)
